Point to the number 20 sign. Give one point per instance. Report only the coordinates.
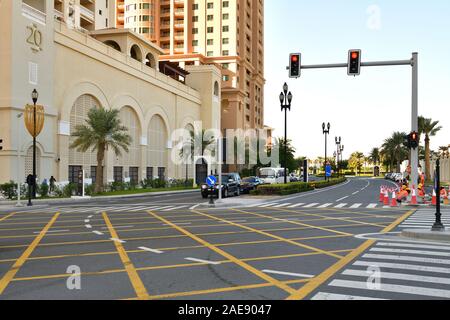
(34, 38)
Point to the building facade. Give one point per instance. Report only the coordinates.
(74, 70)
(225, 33)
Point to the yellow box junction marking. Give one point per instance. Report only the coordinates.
(21, 260)
(298, 244)
(324, 276)
(230, 257)
(136, 281)
(8, 216)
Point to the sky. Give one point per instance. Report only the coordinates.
(367, 109)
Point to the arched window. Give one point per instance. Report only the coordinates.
(78, 116)
(157, 143)
(113, 44)
(135, 53)
(130, 120)
(150, 61)
(216, 89)
(29, 163)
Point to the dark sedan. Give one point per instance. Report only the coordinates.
(231, 185)
(249, 184)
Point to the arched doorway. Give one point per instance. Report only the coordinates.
(81, 160)
(157, 157)
(150, 61)
(201, 171)
(113, 44)
(130, 162)
(29, 163)
(135, 53)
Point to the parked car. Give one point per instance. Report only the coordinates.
(294, 178)
(249, 184)
(231, 184)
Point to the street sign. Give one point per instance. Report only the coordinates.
(328, 171)
(211, 181)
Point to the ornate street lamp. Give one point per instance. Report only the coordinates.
(285, 101)
(326, 132)
(34, 122)
(338, 153)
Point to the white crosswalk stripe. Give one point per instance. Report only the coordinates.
(341, 205)
(339, 297)
(406, 270)
(268, 205)
(311, 205)
(326, 205)
(281, 205)
(175, 208)
(296, 205)
(356, 206)
(372, 206)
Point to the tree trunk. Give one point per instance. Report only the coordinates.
(99, 174)
(427, 158)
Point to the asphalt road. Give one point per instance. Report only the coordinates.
(163, 248)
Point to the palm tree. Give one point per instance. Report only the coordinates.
(356, 161)
(429, 128)
(103, 129)
(394, 150)
(195, 145)
(374, 156)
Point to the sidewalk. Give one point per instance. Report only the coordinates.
(38, 203)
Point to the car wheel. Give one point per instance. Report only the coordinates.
(225, 193)
(205, 196)
(238, 192)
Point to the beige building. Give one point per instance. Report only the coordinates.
(225, 33)
(74, 70)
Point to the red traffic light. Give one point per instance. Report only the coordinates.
(294, 58)
(355, 55)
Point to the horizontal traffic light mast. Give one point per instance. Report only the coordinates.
(354, 65)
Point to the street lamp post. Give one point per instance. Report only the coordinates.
(34, 117)
(338, 152)
(19, 204)
(438, 226)
(341, 150)
(326, 132)
(34, 96)
(285, 101)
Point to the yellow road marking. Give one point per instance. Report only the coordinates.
(270, 235)
(219, 290)
(295, 222)
(324, 276)
(335, 218)
(90, 254)
(183, 265)
(136, 281)
(21, 260)
(232, 258)
(172, 237)
(8, 216)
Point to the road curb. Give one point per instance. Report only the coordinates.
(79, 200)
(426, 235)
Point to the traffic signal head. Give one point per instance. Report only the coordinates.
(294, 65)
(354, 63)
(414, 140)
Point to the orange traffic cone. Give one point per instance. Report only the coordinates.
(414, 196)
(386, 198)
(381, 194)
(394, 200)
(434, 200)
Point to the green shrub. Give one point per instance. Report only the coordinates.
(9, 190)
(89, 190)
(43, 190)
(69, 190)
(296, 187)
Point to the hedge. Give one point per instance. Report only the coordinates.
(296, 187)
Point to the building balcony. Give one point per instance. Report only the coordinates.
(87, 14)
(33, 13)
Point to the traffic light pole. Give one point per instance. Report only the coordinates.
(414, 63)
